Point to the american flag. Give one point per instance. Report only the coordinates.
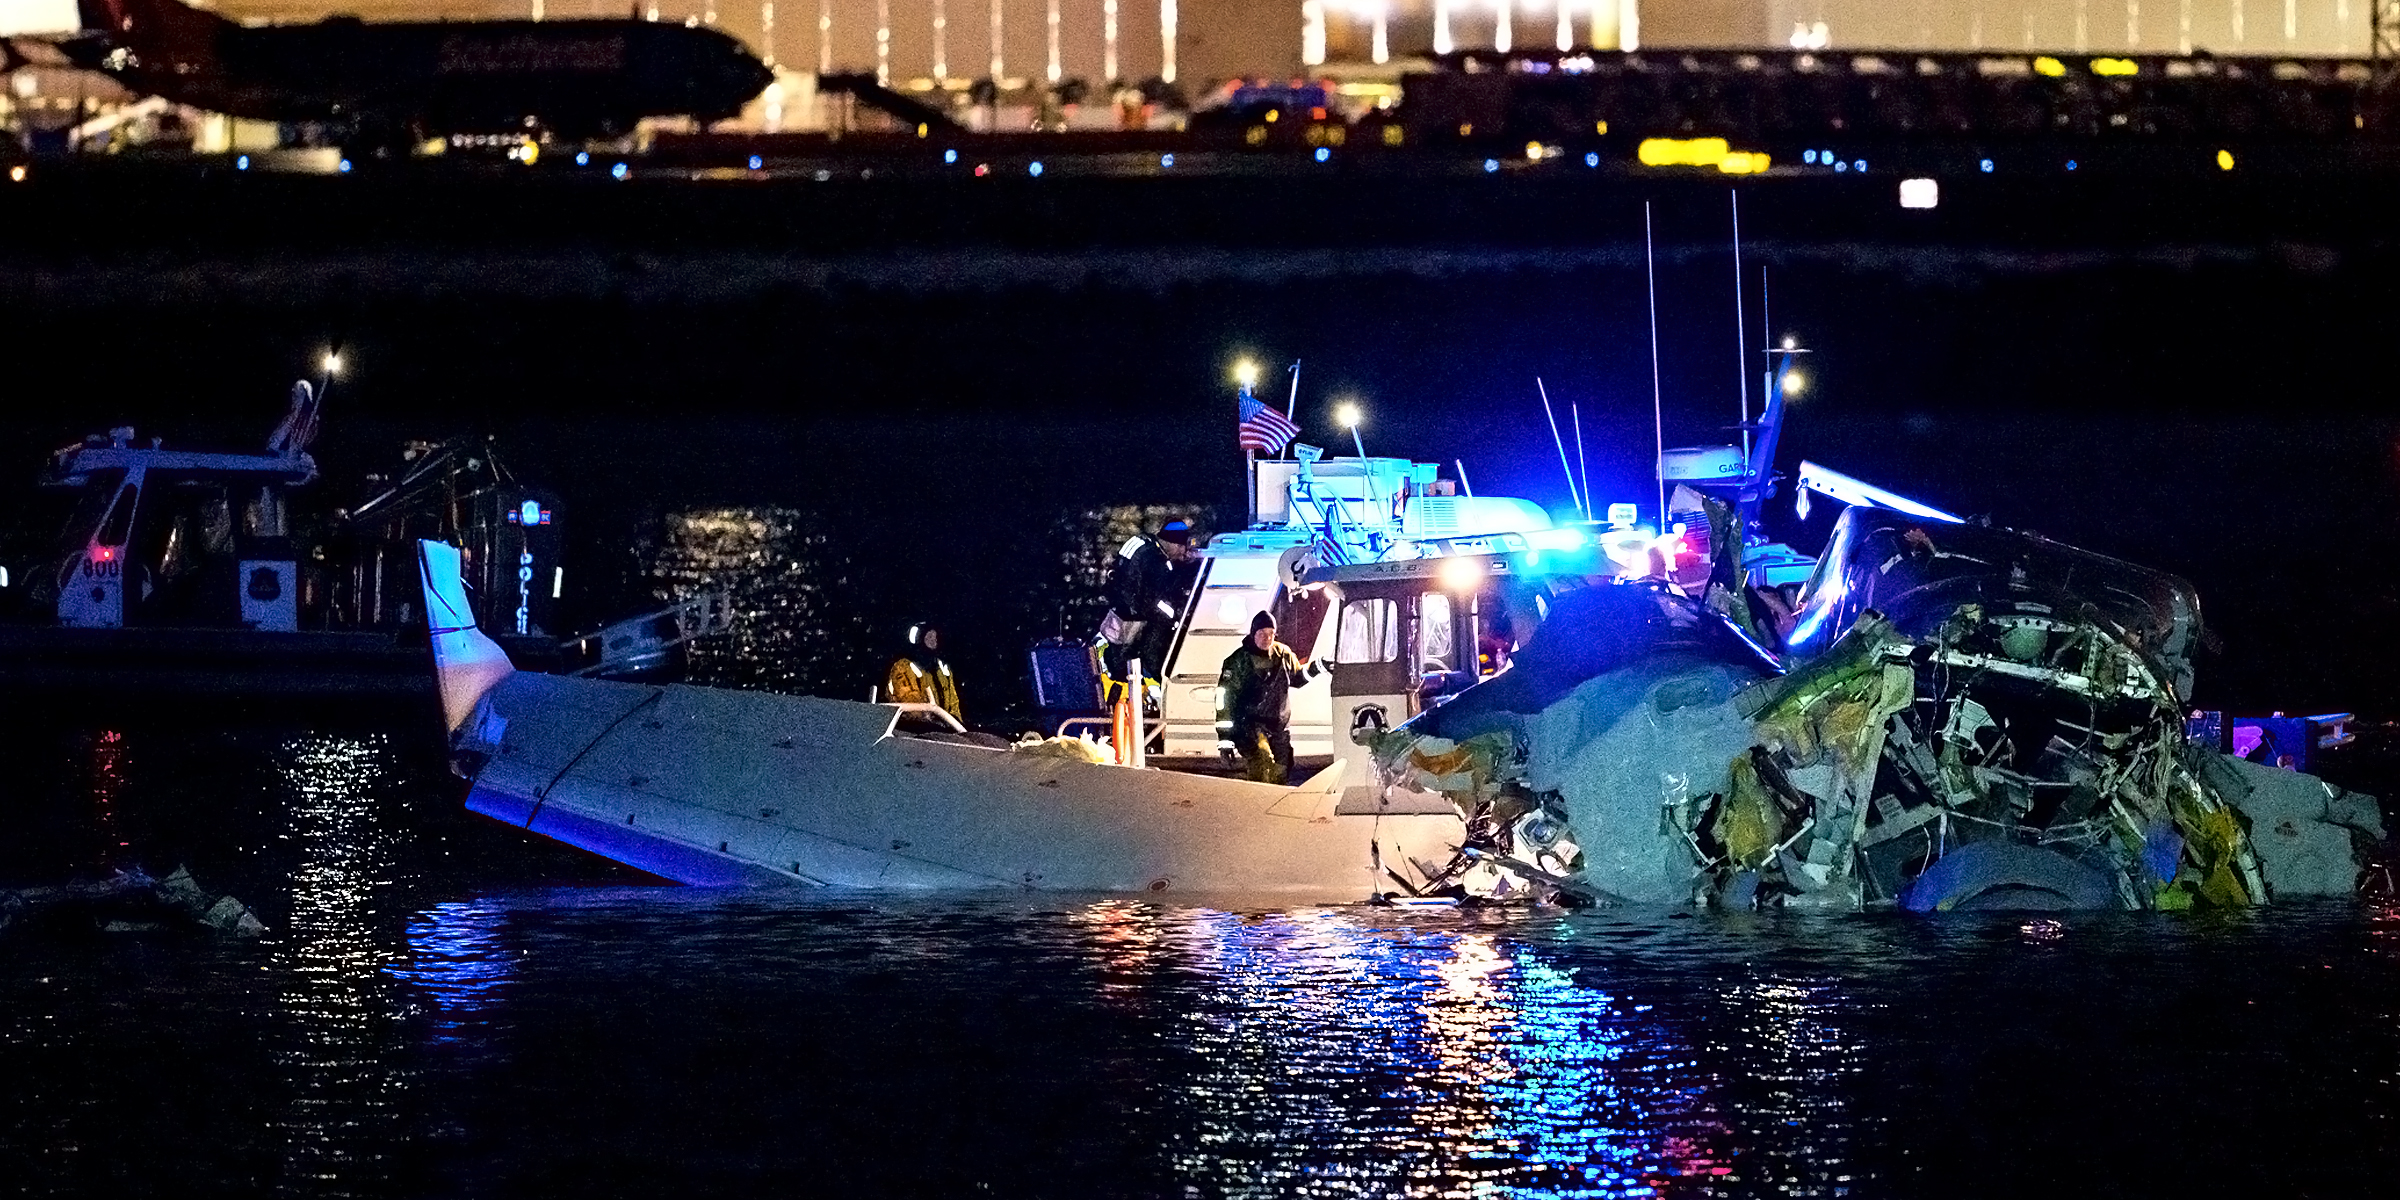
(1263, 429)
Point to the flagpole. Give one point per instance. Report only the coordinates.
(1249, 462)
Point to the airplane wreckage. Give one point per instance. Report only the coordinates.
(1931, 714)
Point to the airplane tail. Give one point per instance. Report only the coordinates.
(466, 664)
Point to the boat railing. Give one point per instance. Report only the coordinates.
(1073, 727)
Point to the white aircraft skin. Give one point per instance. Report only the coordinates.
(717, 787)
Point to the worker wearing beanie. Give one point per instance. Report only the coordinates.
(1254, 702)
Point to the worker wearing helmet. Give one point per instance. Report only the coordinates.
(919, 676)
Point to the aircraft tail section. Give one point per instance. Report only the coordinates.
(467, 665)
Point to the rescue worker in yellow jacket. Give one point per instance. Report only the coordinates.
(919, 676)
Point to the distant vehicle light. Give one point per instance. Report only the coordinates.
(1681, 152)
(1920, 193)
(1034, 169)
(16, 174)
(2115, 66)
(2046, 65)
(1986, 164)
(756, 162)
(620, 171)
(1324, 155)
(1462, 574)
(529, 153)
(1490, 165)
(2224, 160)
(981, 170)
(1166, 160)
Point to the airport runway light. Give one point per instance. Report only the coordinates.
(1245, 373)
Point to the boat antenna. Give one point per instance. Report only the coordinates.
(1559, 442)
(1462, 479)
(1741, 338)
(1766, 326)
(1292, 404)
(1658, 417)
(1583, 464)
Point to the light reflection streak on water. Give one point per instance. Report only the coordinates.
(456, 957)
(1125, 936)
(1800, 1060)
(108, 782)
(335, 1015)
(1335, 1057)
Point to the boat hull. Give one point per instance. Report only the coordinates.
(715, 787)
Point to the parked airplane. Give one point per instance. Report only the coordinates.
(385, 85)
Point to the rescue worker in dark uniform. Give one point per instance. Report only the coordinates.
(919, 676)
(1146, 590)
(1254, 702)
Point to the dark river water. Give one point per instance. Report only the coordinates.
(442, 1009)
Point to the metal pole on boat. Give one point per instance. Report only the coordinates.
(1658, 418)
(1583, 464)
(1555, 440)
(1465, 486)
(1292, 404)
(1741, 337)
(1137, 730)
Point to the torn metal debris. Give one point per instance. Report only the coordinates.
(1976, 718)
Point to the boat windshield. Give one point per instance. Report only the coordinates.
(91, 507)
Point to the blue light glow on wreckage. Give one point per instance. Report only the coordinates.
(1338, 1057)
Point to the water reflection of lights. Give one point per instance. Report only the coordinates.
(1337, 1057)
(108, 782)
(335, 1015)
(1799, 1064)
(456, 957)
